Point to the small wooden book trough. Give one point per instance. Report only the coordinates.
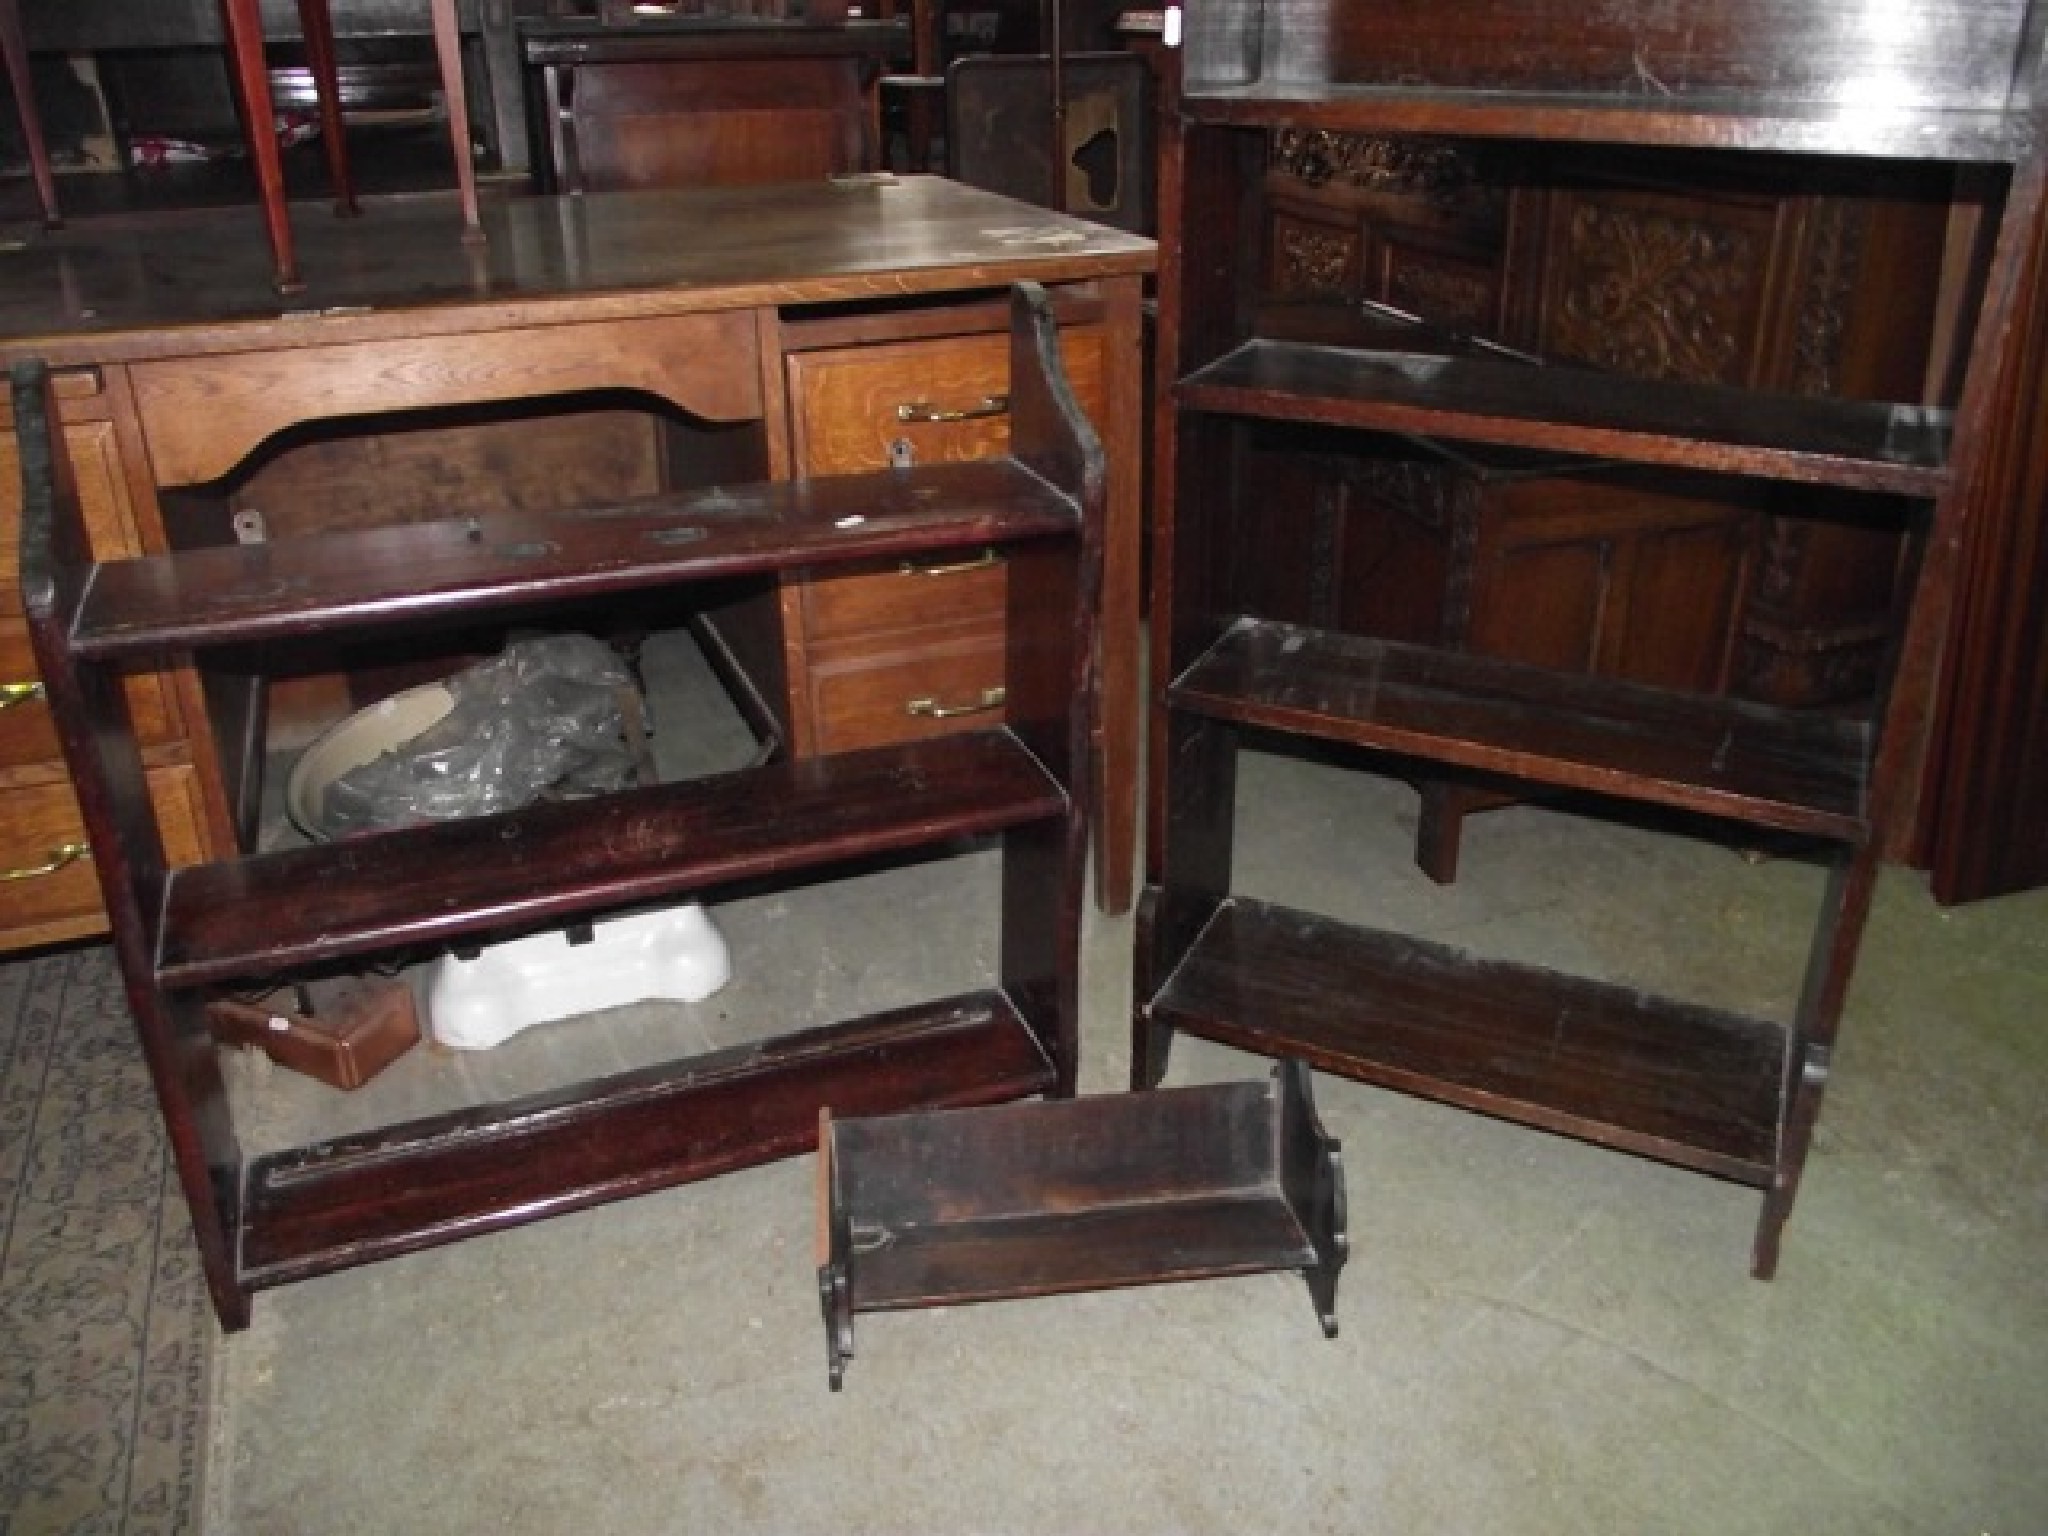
(948, 1206)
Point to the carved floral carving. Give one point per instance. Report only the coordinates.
(1461, 299)
(1318, 158)
(1839, 228)
(1313, 260)
(1653, 295)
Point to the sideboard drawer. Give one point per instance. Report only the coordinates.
(26, 733)
(95, 461)
(938, 401)
(938, 594)
(866, 699)
(893, 653)
(48, 888)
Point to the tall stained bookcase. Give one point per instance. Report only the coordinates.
(1953, 82)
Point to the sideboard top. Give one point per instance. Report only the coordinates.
(201, 282)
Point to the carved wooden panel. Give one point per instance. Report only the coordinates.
(1662, 267)
(1652, 286)
(1412, 223)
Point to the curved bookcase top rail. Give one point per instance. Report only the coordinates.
(1878, 130)
(1939, 79)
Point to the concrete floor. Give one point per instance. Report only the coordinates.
(1537, 1336)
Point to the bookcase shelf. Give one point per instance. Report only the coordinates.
(192, 935)
(1246, 383)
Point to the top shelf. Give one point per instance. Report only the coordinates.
(1861, 445)
(423, 572)
(1985, 136)
(1937, 80)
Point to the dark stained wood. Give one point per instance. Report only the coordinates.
(406, 1187)
(1943, 80)
(420, 573)
(1857, 444)
(1989, 813)
(99, 744)
(1790, 274)
(1956, 81)
(192, 285)
(280, 911)
(1792, 770)
(1025, 1200)
(1608, 1063)
(1779, 126)
(398, 1188)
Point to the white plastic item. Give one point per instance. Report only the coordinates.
(671, 954)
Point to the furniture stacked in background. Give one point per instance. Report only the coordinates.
(1249, 387)
(676, 368)
(703, 101)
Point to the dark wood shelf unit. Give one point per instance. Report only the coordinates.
(1795, 771)
(185, 936)
(1606, 1063)
(1245, 384)
(947, 1207)
(1859, 445)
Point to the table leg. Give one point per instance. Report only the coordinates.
(243, 20)
(448, 48)
(316, 23)
(14, 43)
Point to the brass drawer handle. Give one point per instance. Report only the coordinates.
(932, 709)
(12, 694)
(980, 562)
(59, 857)
(924, 410)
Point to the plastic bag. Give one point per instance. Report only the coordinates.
(544, 717)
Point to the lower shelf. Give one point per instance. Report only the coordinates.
(355, 1199)
(1114, 1190)
(1684, 1084)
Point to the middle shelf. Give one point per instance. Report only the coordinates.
(1796, 771)
(305, 906)
(1857, 444)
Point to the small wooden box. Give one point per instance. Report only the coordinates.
(344, 1044)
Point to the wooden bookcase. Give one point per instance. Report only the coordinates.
(1728, 1095)
(183, 935)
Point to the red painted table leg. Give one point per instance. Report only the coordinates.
(448, 47)
(243, 20)
(316, 22)
(15, 45)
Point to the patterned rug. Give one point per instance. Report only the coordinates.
(105, 1333)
